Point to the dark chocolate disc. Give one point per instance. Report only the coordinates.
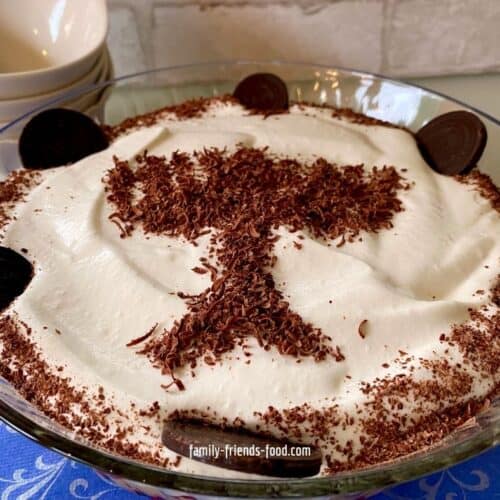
(453, 143)
(15, 274)
(240, 450)
(262, 91)
(58, 137)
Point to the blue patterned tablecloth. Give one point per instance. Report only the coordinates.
(29, 471)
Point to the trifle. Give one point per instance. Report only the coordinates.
(255, 268)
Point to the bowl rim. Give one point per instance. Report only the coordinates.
(244, 62)
(84, 58)
(379, 476)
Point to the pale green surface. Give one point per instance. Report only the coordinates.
(480, 91)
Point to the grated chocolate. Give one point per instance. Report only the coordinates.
(244, 196)
(13, 190)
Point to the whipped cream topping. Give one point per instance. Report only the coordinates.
(94, 292)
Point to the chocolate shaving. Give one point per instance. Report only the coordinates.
(143, 337)
(483, 184)
(361, 328)
(245, 196)
(13, 190)
(199, 270)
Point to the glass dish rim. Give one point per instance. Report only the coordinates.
(68, 96)
(376, 477)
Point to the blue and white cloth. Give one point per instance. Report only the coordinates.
(29, 471)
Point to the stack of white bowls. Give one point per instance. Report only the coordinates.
(51, 49)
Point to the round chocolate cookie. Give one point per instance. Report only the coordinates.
(58, 137)
(15, 274)
(263, 92)
(240, 450)
(452, 143)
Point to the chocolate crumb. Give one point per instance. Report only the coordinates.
(362, 328)
(143, 337)
(483, 185)
(200, 270)
(13, 190)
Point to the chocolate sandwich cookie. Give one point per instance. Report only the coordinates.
(262, 92)
(240, 450)
(57, 137)
(453, 143)
(15, 274)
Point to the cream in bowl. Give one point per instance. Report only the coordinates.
(278, 279)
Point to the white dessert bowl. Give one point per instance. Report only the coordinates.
(12, 108)
(86, 102)
(48, 44)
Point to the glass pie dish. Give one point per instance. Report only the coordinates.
(372, 95)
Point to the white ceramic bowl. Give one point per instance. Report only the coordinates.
(89, 102)
(12, 108)
(47, 44)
